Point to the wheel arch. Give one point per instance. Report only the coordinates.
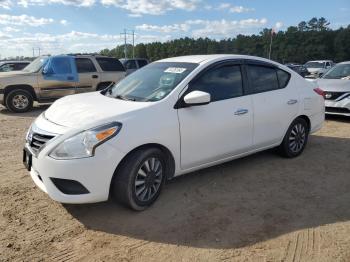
(170, 160)
(307, 119)
(28, 88)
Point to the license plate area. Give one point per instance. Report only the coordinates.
(27, 159)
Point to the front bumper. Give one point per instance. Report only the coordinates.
(341, 107)
(94, 173)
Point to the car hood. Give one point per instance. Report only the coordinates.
(334, 85)
(90, 108)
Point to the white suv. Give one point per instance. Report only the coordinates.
(169, 118)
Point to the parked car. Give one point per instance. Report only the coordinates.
(300, 69)
(318, 68)
(169, 118)
(18, 90)
(7, 66)
(336, 85)
(131, 65)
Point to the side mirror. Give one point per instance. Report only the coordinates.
(197, 98)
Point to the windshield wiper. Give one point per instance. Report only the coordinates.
(125, 98)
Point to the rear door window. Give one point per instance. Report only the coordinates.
(85, 65)
(262, 78)
(110, 64)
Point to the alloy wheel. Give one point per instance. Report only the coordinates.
(297, 138)
(148, 179)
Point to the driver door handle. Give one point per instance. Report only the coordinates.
(94, 76)
(240, 112)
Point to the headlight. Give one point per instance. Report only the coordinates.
(84, 144)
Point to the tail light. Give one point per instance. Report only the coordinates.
(320, 92)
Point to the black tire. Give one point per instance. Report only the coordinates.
(124, 185)
(19, 101)
(295, 140)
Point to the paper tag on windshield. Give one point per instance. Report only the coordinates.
(175, 70)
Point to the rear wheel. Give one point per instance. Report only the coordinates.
(296, 138)
(19, 101)
(140, 179)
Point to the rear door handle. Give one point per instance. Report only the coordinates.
(94, 76)
(240, 112)
(292, 102)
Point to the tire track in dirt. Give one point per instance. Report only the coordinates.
(303, 246)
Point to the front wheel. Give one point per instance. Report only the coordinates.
(19, 101)
(140, 179)
(296, 138)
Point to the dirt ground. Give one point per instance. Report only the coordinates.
(259, 208)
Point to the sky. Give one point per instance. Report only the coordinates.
(77, 26)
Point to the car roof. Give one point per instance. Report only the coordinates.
(344, 63)
(201, 59)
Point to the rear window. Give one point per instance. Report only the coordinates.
(110, 64)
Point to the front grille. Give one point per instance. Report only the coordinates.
(38, 141)
(337, 110)
(333, 95)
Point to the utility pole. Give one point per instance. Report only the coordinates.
(272, 32)
(125, 34)
(133, 43)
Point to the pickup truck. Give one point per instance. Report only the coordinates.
(45, 79)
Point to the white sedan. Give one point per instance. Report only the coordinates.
(169, 118)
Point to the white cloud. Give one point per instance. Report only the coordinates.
(136, 8)
(165, 28)
(82, 3)
(6, 4)
(24, 20)
(209, 28)
(151, 7)
(234, 9)
(72, 42)
(278, 25)
(11, 29)
(64, 22)
(4, 36)
(224, 28)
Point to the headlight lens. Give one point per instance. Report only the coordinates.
(84, 144)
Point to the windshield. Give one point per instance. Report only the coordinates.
(36, 65)
(152, 82)
(338, 72)
(314, 65)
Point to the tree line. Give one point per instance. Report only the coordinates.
(311, 40)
